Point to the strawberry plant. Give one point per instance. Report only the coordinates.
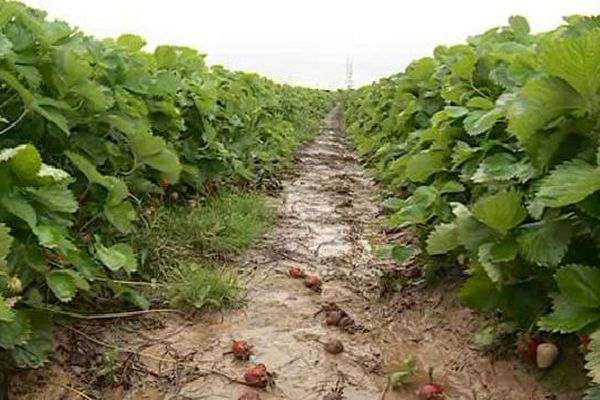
(93, 133)
(489, 151)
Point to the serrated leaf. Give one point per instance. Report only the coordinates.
(121, 216)
(35, 351)
(6, 313)
(15, 332)
(25, 162)
(592, 358)
(575, 59)
(580, 284)
(569, 183)
(20, 208)
(519, 26)
(566, 317)
(443, 239)
(63, 284)
(502, 167)
(54, 198)
(545, 243)
(479, 292)
(117, 257)
(482, 122)
(486, 256)
(471, 232)
(6, 241)
(402, 253)
(538, 103)
(424, 164)
(501, 211)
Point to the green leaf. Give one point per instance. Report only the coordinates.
(539, 102)
(443, 239)
(63, 284)
(54, 237)
(487, 261)
(6, 313)
(592, 358)
(121, 216)
(24, 161)
(117, 257)
(545, 243)
(471, 232)
(501, 211)
(479, 292)
(15, 332)
(402, 253)
(34, 352)
(503, 167)
(424, 164)
(131, 42)
(54, 198)
(6, 241)
(580, 284)
(575, 59)
(519, 26)
(481, 124)
(569, 183)
(20, 208)
(461, 60)
(566, 317)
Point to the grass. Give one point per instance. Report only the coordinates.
(214, 230)
(199, 286)
(185, 246)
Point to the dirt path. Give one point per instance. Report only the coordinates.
(326, 226)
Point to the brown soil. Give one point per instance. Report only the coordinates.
(327, 225)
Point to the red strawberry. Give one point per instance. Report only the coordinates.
(241, 349)
(431, 391)
(249, 396)
(313, 282)
(296, 272)
(256, 375)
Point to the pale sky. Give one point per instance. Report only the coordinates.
(307, 41)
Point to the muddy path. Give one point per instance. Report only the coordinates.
(327, 226)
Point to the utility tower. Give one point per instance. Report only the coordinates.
(349, 70)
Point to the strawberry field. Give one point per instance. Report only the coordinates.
(489, 151)
(95, 133)
(175, 229)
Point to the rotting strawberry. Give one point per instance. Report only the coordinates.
(431, 391)
(313, 282)
(257, 375)
(241, 350)
(333, 346)
(332, 318)
(296, 272)
(249, 396)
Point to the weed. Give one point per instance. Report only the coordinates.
(212, 230)
(200, 286)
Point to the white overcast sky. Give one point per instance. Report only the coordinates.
(307, 41)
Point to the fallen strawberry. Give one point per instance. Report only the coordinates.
(249, 396)
(332, 318)
(431, 391)
(257, 375)
(313, 282)
(334, 346)
(296, 272)
(241, 350)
